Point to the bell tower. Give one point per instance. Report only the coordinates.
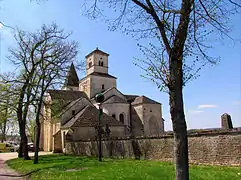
(97, 61)
(97, 78)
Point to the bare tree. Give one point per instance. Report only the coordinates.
(178, 29)
(23, 58)
(55, 54)
(43, 58)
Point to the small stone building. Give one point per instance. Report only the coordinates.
(72, 113)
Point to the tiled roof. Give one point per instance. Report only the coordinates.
(131, 97)
(66, 94)
(102, 75)
(98, 74)
(72, 120)
(78, 102)
(144, 100)
(72, 77)
(96, 51)
(88, 116)
(114, 99)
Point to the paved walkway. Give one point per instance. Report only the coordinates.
(5, 172)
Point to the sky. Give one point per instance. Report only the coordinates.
(216, 91)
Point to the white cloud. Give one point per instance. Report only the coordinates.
(1, 25)
(195, 111)
(202, 106)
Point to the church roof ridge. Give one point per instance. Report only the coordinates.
(98, 74)
(144, 100)
(74, 118)
(114, 99)
(66, 94)
(97, 51)
(88, 116)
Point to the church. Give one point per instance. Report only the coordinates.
(71, 113)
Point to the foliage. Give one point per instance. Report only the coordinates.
(57, 106)
(55, 166)
(7, 106)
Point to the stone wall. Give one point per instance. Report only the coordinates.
(205, 147)
(90, 132)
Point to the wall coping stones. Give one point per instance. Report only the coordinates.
(169, 134)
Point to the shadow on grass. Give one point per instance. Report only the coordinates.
(61, 162)
(23, 175)
(31, 172)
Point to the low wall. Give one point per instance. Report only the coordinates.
(205, 147)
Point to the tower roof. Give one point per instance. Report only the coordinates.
(72, 77)
(96, 51)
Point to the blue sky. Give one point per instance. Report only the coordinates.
(216, 91)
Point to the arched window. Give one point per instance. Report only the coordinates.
(103, 86)
(90, 64)
(113, 115)
(121, 118)
(99, 63)
(73, 112)
(102, 64)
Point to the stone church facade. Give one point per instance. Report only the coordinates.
(72, 113)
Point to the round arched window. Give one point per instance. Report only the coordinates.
(90, 64)
(121, 118)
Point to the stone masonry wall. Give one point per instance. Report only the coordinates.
(205, 147)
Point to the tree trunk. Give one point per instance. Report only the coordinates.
(178, 119)
(38, 130)
(20, 150)
(23, 149)
(5, 121)
(37, 140)
(4, 130)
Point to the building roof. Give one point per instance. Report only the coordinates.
(102, 75)
(88, 116)
(72, 77)
(144, 100)
(66, 94)
(96, 51)
(114, 99)
(99, 74)
(130, 97)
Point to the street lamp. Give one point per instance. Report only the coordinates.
(99, 98)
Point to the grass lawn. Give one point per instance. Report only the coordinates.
(77, 167)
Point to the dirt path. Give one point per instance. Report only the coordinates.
(8, 174)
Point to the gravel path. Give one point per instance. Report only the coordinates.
(9, 174)
(6, 173)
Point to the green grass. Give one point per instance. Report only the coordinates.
(55, 166)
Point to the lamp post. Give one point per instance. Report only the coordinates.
(99, 98)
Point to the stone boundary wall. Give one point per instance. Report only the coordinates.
(211, 146)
